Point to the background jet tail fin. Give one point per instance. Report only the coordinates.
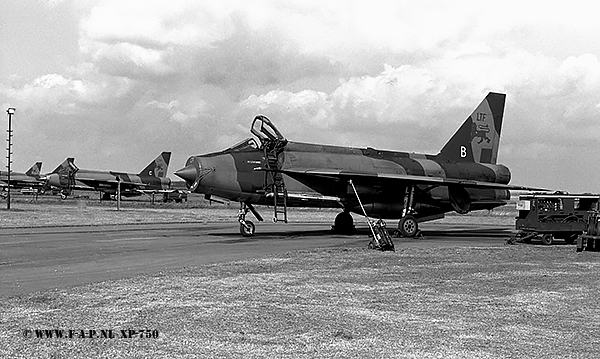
(68, 166)
(158, 167)
(478, 138)
(35, 170)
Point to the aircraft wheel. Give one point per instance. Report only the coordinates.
(248, 229)
(408, 226)
(344, 223)
(547, 239)
(63, 196)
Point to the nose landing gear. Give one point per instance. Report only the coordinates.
(247, 228)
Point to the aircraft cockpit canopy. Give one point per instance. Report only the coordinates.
(266, 132)
(248, 144)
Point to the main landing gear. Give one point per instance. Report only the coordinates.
(408, 225)
(343, 224)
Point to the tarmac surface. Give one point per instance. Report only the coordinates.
(37, 259)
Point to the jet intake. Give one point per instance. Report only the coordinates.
(460, 199)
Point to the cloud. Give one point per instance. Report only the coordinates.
(415, 99)
(51, 3)
(398, 75)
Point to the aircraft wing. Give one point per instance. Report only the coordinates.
(104, 184)
(402, 179)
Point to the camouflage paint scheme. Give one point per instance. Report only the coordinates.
(30, 179)
(67, 177)
(463, 177)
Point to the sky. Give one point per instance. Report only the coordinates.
(114, 83)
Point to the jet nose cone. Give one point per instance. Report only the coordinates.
(189, 173)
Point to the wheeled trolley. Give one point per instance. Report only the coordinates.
(590, 240)
(558, 215)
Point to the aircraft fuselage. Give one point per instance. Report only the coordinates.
(21, 180)
(232, 174)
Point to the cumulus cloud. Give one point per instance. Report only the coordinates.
(189, 76)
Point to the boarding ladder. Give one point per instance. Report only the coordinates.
(67, 174)
(273, 144)
(274, 184)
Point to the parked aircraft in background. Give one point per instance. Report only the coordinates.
(30, 179)
(152, 179)
(273, 171)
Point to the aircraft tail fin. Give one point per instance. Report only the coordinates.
(68, 166)
(478, 138)
(158, 167)
(35, 170)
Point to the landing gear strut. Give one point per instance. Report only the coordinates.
(408, 225)
(246, 226)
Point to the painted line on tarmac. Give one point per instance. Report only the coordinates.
(127, 239)
(19, 242)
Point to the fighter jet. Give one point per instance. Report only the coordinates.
(411, 187)
(30, 179)
(68, 177)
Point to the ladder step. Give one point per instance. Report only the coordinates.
(275, 186)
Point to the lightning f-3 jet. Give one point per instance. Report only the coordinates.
(31, 179)
(273, 171)
(152, 179)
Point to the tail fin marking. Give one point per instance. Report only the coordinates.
(478, 139)
(67, 167)
(35, 170)
(158, 167)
